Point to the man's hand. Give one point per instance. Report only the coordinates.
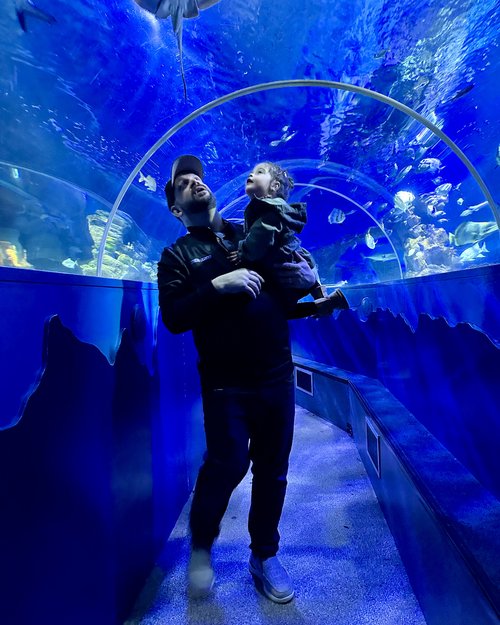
(239, 281)
(295, 275)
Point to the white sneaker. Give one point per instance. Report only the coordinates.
(275, 581)
(201, 575)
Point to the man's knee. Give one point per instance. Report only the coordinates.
(230, 471)
(270, 471)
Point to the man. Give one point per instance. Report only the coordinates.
(241, 333)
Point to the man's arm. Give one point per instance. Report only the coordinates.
(239, 281)
(183, 306)
(298, 276)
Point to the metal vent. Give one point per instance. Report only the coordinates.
(304, 380)
(373, 445)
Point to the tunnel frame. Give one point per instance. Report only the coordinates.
(280, 84)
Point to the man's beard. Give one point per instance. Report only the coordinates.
(201, 205)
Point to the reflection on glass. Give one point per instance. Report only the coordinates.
(129, 254)
(361, 232)
(49, 224)
(43, 222)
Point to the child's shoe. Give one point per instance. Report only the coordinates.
(335, 301)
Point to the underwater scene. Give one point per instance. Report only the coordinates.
(386, 115)
(385, 112)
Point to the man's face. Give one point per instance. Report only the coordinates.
(192, 195)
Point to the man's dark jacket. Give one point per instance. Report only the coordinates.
(241, 341)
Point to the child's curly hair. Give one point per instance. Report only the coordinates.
(283, 177)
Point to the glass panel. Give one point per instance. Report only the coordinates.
(377, 212)
(47, 223)
(83, 97)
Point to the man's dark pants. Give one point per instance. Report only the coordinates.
(243, 425)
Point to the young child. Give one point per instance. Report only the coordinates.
(272, 225)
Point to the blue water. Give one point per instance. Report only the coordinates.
(83, 99)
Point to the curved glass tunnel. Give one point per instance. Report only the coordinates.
(100, 422)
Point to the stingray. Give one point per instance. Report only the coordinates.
(27, 7)
(177, 10)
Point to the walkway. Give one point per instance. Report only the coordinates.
(335, 544)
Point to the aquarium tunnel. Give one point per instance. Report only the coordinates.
(385, 113)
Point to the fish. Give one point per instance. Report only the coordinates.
(472, 232)
(404, 172)
(149, 181)
(70, 263)
(338, 216)
(431, 165)
(177, 10)
(381, 258)
(443, 189)
(27, 7)
(472, 209)
(471, 253)
(466, 212)
(286, 137)
(462, 92)
(403, 200)
(435, 202)
(369, 240)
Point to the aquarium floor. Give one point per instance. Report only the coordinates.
(334, 542)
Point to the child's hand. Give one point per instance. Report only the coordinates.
(234, 257)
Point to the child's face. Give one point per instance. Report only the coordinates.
(259, 182)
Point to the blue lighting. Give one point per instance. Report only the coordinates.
(385, 114)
